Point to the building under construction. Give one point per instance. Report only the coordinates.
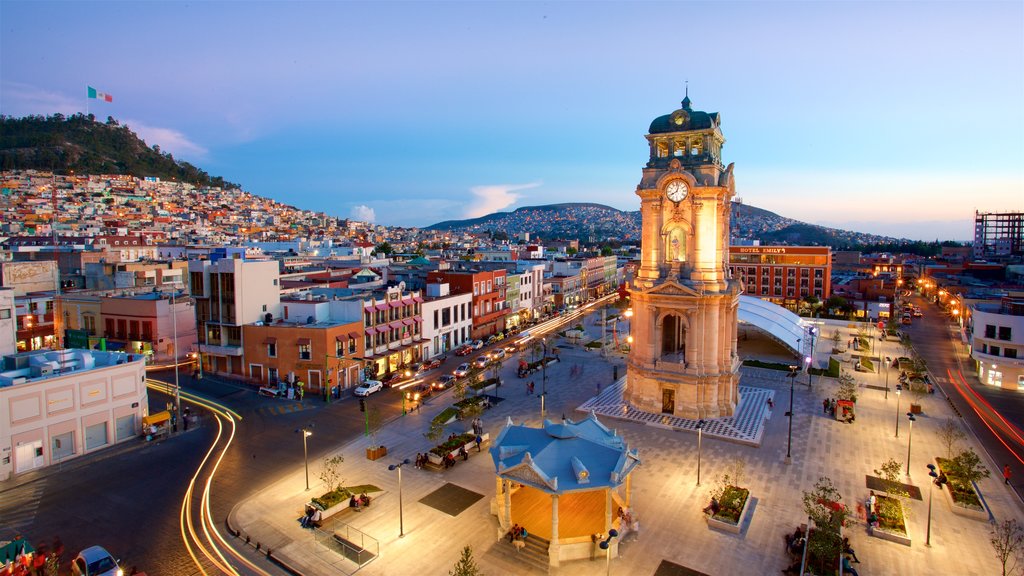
(998, 235)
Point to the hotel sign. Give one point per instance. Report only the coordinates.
(761, 250)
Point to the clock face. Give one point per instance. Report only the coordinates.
(676, 190)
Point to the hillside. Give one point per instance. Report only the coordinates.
(79, 143)
(591, 222)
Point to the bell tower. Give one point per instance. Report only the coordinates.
(683, 361)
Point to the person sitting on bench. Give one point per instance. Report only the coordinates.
(364, 499)
(712, 508)
(354, 502)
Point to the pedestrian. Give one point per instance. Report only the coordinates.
(1006, 474)
(871, 502)
(184, 421)
(771, 403)
(463, 453)
(479, 440)
(824, 406)
(848, 550)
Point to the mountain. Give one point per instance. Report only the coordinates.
(79, 143)
(591, 222)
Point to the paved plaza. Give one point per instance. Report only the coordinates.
(665, 496)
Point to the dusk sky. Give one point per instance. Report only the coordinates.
(892, 118)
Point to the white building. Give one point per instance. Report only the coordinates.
(447, 319)
(8, 323)
(61, 404)
(997, 341)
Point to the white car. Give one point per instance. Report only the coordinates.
(481, 362)
(95, 561)
(369, 387)
(477, 344)
(462, 370)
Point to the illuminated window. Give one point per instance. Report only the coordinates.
(662, 149)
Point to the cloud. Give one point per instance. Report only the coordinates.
(493, 197)
(363, 213)
(21, 99)
(169, 140)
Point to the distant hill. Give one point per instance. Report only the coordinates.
(62, 144)
(590, 222)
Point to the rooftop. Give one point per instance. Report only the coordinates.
(32, 366)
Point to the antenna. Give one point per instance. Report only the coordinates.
(687, 95)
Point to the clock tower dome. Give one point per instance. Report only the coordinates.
(683, 361)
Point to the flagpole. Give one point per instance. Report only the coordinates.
(86, 102)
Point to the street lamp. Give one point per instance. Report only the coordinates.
(888, 359)
(177, 384)
(789, 439)
(606, 546)
(700, 434)
(898, 390)
(935, 482)
(910, 439)
(306, 433)
(393, 467)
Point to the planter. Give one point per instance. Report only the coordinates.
(915, 408)
(892, 535)
(339, 507)
(469, 446)
(725, 525)
(963, 508)
(376, 453)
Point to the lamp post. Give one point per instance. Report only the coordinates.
(700, 434)
(888, 359)
(606, 546)
(392, 467)
(898, 390)
(935, 480)
(789, 439)
(307, 431)
(177, 385)
(810, 357)
(910, 439)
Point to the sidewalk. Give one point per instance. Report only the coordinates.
(665, 497)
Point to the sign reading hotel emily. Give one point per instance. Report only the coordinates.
(761, 250)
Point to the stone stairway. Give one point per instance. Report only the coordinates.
(531, 559)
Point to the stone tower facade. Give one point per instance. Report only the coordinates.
(683, 361)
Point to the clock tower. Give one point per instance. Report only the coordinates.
(683, 361)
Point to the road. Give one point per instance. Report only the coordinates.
(129, 498)
(994, 415)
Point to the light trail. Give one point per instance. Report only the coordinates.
(984, 420)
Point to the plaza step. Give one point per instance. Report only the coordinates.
(531, 559)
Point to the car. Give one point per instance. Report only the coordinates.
(95, 561)
(369, 387)
(906, 319)
(446, 381)
(461, 371)
(511, 349)
(496, 355)
(918, 314)
(481, 362)
(431, 364)
(464, 351)
(421, 392)
(476, 344)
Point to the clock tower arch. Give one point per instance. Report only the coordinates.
(683, 361)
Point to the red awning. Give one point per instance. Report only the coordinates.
(417, 299)
(270, 340)
(408, 321)
(417, 318)
(370, 331)
(407, 302)
(396, 325)
(382, 329)
(303, 341)
(396, 303)
(353, 335)
(382, 307)
(368, 309)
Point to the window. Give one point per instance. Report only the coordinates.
(339, 348)
(264, 307)
(275, 281)
(990, 331)
(994, 350)
(1004, 333)
(446, 317)
(436, 315)
(305, 350)
(351, 345)
(661, 149)
(1010, 352)
(272, 349)
(5, 314)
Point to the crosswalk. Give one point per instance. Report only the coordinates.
(281, 408)
(21, 516)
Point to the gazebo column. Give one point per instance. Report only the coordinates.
(554, 548)
(629, 488)
(508, 502)
(607, 510)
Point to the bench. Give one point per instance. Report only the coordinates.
(269, 392)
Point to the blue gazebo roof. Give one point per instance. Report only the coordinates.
(565, 456)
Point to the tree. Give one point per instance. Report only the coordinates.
(835, 303)
(890, 473)
(847, 387)
(1007, 539)
(435, 432)
(837, 340)
(571, 251)
(824, 506)
(383, 248)
(950, 435)
(374, 421)
(330, 472)
(968, 467)
(607, 251)
(466, 566)
(733, 475)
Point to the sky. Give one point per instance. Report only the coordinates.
(896, 118)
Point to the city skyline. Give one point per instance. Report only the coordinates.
(843, 115)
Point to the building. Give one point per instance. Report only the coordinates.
(61, 404)
(230, 293)
(683, 361)
(997, 341)
(8, 323)
(998, 235)
(783, 275)
(447, 319)
(149, 323)
(488, 290)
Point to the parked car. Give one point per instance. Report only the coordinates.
(481, 362)
(369, 387)
(496, 355)
(464, 351)
(95, 561)
(444, 382)
(431, 364)
(421, 392)
(461, 371)
(476, 344)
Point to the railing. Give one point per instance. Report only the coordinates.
(348, 542)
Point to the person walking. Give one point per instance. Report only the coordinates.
(1006, 474)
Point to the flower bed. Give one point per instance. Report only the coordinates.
(478, 386)
(594, 344)
(467, 440)
(333, 502)
(962, 497)
(892, 528)
(446, 416)
(732, 508)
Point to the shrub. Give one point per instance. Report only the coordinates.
(731, 504)
(449, 445)
(483, 384)
(594, 344)
(768, 365)
(445, 415)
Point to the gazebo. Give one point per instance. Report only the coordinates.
(562, 483)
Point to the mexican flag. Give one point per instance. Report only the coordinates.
(96, 94)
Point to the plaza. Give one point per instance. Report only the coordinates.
(665, 496)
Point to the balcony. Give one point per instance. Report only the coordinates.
(989, 359)
(222, 350)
